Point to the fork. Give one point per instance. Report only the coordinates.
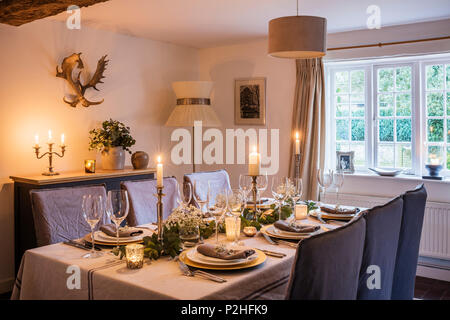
(191, 273)
(290, 244)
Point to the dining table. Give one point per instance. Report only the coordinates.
(59, 271)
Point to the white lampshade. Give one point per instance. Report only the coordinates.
(297, 37)
(193, 104)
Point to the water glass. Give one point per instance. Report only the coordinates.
(117, 206)
(189, 235)
(93, 208)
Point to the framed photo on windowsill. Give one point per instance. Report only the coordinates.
(250, 101)
(344, 161)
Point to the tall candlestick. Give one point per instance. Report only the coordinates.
(159, 173)
(297, 144)
(253, 163)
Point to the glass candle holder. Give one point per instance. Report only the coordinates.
(301, 211)
(134, 256)
(233, 228)
(89, 166)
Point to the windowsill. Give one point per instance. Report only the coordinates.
(400, 177)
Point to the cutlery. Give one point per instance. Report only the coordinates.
(85, 244)
(76, 245)
(273, 253)
(290, 244)
(269, 239)
(191, 273)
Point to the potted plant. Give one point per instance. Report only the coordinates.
(112, 140)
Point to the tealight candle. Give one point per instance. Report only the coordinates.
(253, 163)
(159, 173)
(301, 211)
(134, 256)
(232, 228)
(249, 231)
(89, 166)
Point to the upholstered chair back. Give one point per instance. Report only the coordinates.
(327, 265)
(220, 179)
(141, 194)
(408, 245)
(58, 215)
(380, 250)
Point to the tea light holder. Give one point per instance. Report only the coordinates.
(135, 256)
(249, 231)
(301, 211)
(89, 166)
(232, 228)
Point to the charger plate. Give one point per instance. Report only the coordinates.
(113, 244)
(252, 263)
(345, 217)
(269, 231)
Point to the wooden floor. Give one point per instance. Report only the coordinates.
(426, 289)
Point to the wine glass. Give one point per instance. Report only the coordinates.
(217, 209)
(325, 179)
(297, 189)
(236, 202)
(117, 207)
(184, 194)
(279, 191)
(338, 181)
(189, 235)
(261, 185)
(201, 193)
(93, 208)
(245, 184)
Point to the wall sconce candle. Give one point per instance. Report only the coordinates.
(89, 166)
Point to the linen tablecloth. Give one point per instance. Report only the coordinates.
(44, 274)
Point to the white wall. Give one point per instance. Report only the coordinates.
(137, 91)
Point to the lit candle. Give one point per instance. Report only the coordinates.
(253, 163)
(159, 173)
(232, 228)
(36, 140)
(62, 139)
(301, 211)
(297, 144)
(49, 136)
(135, 256)
(89, 166)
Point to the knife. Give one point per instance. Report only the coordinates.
(273, 253)
(76, 245)
(269, 239)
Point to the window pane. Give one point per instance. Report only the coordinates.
(448, 158)
(386, 155)
(403, 130)
(448, 76)
(448, 130)
(435, 104)
(403, 104)
(357, 98)
(341, 79)
(357, 78)
(386, 105)
(386, 129)
(403, 79)
(357, 110)
(386, 79)
(435, 152)
(342, 110)
(360, 153)
(342, 146)
(448, 103)
(435, 77)
(341, 129)
(435, 130)
(342, 98)
(357, 130)
(403, 156)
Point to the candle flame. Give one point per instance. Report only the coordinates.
(159, 159)
(254, 148)
(296, 135)
(49, 134)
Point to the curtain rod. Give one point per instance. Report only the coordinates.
(381, 44)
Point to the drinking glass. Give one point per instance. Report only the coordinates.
(189, 235)
(117, 207)
(217, 209)
(245, 184)
(297, 189)
(338, 181)
(279, 191)
(261, 185)
(236, 202)
(184, 194)
(201, 194)
(93, 208)
(325, 179)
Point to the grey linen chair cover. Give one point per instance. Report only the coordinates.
(221, 176)
(58, 215)
(327, 265)
(380, 249)
(141, 195)
(408, 245)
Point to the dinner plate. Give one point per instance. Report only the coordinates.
(289, 233)
(197, 257)
(261, 258)
(334, 216)
(113, 241)
(99, 235)
(271, 231)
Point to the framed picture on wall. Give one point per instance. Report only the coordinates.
(344, 161)
(250, 101)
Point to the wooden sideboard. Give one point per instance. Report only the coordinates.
(24, 232)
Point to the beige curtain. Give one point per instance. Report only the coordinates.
(309, 120)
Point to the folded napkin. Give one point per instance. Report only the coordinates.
(223, 253)
(337, 210)
(292, 227)
(110, 230)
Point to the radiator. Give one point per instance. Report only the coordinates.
(435, 240)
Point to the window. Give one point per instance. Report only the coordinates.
(393, 113)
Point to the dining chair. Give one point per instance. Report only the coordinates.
(57, 213)
(380, 250)
(408, 246)
(221, 178)
(143, 202)
(327, 265)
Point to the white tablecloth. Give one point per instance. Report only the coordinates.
(43, 275)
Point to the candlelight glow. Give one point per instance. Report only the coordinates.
(36, 139)
(159, 159)
(49, 135)
(254, 148)
(296, 135)
(62, 139)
